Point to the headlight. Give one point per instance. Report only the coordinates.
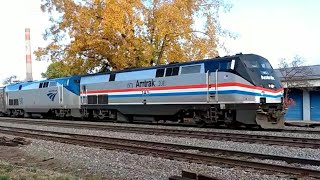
(271, 86)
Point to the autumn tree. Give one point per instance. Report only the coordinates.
(100, 34)
(294, 74)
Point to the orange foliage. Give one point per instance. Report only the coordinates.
(87, 34)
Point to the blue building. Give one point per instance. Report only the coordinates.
(305, 91)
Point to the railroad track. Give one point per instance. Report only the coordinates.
(202, 155)
(236, 137)
(298, 131)
(301, 131)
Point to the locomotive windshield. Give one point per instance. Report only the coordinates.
(260, 71)
(257, 62)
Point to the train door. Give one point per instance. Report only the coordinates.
(213, 79)
(212, 86)
(83, 95)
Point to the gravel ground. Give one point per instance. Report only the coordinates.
(237, 146)
(120, 165)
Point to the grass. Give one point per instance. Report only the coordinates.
(11, 172)
(4, 177)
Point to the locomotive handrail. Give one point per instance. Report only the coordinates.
(216, 96)
(86, 97)
(60, 89)
(208, 85)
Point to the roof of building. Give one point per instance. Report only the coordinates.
(310, 72)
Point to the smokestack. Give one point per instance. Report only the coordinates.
(28, 55)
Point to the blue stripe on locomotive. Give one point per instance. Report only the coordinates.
(196, 93)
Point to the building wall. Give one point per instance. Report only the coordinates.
(310, 98)
(295, 111)
(306, 105)
(315, 105)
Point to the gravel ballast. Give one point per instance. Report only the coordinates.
(229, 145)
(121, 165)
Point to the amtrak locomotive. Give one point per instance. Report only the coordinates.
(233, 90)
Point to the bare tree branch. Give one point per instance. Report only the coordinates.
(294, 74)
(10, 80)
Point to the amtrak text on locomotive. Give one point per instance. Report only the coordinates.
(145, 83)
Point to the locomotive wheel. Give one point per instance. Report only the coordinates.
(130, 119)
(201, 124)
(199, 121)
(180, 120)
(233, 125)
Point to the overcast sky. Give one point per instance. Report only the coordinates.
(271, 28)
(275, 28)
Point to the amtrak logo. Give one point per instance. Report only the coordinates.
(52, 95)
(267, 77)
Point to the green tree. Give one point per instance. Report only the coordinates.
(90, 35)
(57, 69)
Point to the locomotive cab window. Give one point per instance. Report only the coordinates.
(175, 71)
(172, 71)
(191, 69)
(256, 63)
(66, 83)
(45, 84)
(112, 77)
(40, 85)
(168, 72)
(265, 65)
(225, 65)
(160, 73)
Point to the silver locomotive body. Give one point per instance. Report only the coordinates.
(209, 92)
(49, 98)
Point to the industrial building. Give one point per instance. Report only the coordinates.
(305, 92)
